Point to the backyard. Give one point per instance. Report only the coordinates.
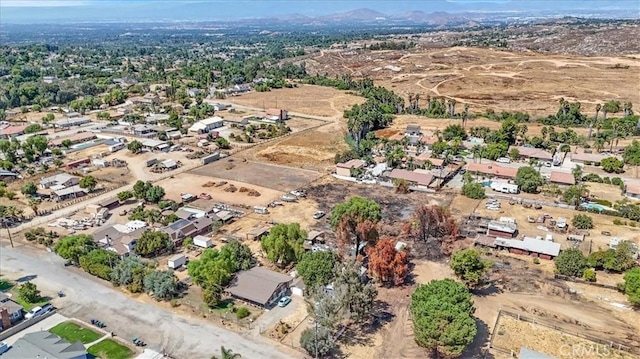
(73, 332)
(110, 349)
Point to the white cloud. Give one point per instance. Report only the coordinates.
(41, 3)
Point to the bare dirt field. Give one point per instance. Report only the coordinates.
(192, 183)
(306, 99)
(513, 334)
(279, 178)
(489, 78)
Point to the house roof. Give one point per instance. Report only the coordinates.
(43, 344)
(486, 240)
(109, 201)
(111, 231)
(413, 128)
(502, 227)
(526, 353)
(4, 173)
(562, 178)
(423, 179)
(202, 222)
(632, 188)
(531, 244)
(211, 120)
(492, 169)
(588, 157)
(12, 130)
(314, 234)
(78, 137)
(224, 215)
(257, 284)
(169, 163)
(10, 306)
(429, 140)
(436, 161)
(533, 152)
(59, 178)
(152, 143)
(69, 190)
(258, 231)
(351, 164)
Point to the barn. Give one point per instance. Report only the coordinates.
(502, 229)
(530, 246)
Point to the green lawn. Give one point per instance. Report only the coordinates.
(73, 332)
(225, 306)
(110, 349)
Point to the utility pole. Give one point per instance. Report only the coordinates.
(4, 221)
(316, 320)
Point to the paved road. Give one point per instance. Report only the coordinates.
(86, 298)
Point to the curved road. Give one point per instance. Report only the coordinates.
(181, 336)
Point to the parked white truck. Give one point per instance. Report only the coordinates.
(505, 187)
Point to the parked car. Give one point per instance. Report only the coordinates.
(35, 312)
(284, 301)
(318, 215)
(48, 308)
(3, 347)
(503, 160)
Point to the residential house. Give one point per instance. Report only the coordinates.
(43, 344)
(425, 157)
(632, 190)
(190, 213)
(183, 228)
(9, 131)
(415, 179)
(155, 145)
(562, 178)
(10, 312)
(143, 130)
(502, 229)
(157, 117)
(532, 152)
(221, 106)
(7, 176)
(492, 170)
(345, 168)
(413, 130)
(277, 114)
(149, 99)
(120, 238)
(530, 246)
(206, 125)
(587, 158)
(61, 179)
(71, 122)
(68, 193)
(259, 286)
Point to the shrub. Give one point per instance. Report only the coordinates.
(589, 275)
(633, 224)
(582, 221)
(473, 190)
(603, 202)
(242, 312)
(617, 222)
(536, 260)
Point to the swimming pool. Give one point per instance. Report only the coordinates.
(596, 207)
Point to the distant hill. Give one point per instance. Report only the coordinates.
(354, 15)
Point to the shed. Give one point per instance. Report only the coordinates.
(258, 232)
(177, 261)
(315, 236)
(202, 241)
(92, 208)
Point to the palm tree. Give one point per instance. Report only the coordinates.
(34, 203)
(565, 148)
(599, 143)
(577, 173)
(226, 354)
(465, 115)
(452, 106)
(476, 150)
(627, 109)
(595, 120)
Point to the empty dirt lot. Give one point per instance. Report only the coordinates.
(306, 99)
(488, 78)
(279, 178)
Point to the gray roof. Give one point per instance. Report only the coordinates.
(69, 190)
(110, 231)
(526, 353)
(11, 306)
(58, 178)
(4, 173)
(257, 284)
(45, 345)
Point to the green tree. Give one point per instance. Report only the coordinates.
(473, 190)
(29, 189)
(616, 260)
(354, 220)
(589, 275)
(124, 196)
(153, 243)
(33, 128)
(612, 165)
(582, 221)
(223, 143)
(74, 246)
(442, 317)
(631, 153)
(163, 284)
(317, 343)
(573, 194)
(99, 262)
(89, 183)
(284, 244)
(316, 268)
(454, 131)
(571, 262)
(129, 272)
(469, 266)
(238, 254)
(134, 146)
(528, 179)
(29, 293)
(631, 286)
(154, 194)
(577, 173)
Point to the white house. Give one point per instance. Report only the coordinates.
(206, 125)
(62, 179)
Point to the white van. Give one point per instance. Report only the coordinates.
(503, 160)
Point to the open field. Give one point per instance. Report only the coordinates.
(278, 178)
(192, 183)
(306, 99)
(513, 334)
(491, 79)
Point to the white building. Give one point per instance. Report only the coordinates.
(206, 125)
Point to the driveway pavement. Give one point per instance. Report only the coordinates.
(273, 316)
(180, 336)
(45, 324)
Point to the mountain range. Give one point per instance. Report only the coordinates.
(302, 11)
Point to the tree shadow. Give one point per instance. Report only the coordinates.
(26, 278)
(382, 314)
(487, 290)
(410, 279)
(479, 347)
